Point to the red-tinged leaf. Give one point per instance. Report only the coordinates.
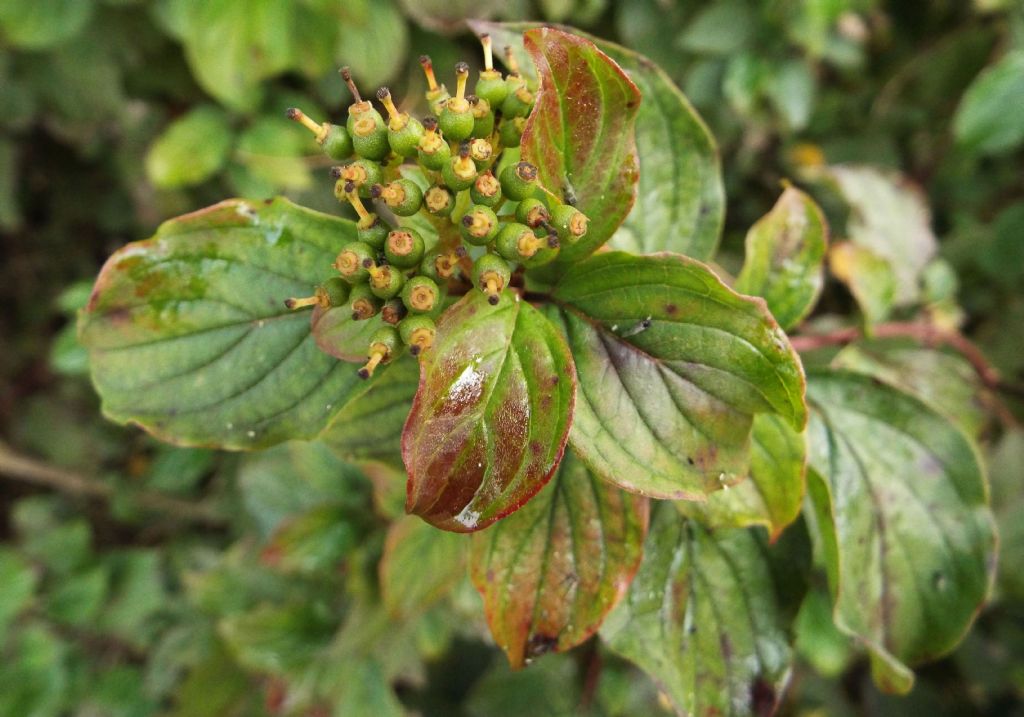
(339, 335)
(581, 132)
(551, 572)
(491, 417)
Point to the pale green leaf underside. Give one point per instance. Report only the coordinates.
(189, 338)
(901, 507)
(702, 618)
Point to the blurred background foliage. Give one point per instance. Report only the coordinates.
(142, 579)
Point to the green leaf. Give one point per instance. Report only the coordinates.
(339, 335)
(772, 493)
(946, 382)
(41, 24)
(315, 541)
(192, 149)
(277, 639)
(702, 617)
(19, 581)
(272, 149)
(581, 133)
(818, 641)
(900, 504)
(491, 416)
(368, 693)
(870, 279)
(369, 428)
(1005, 460)
(372, 40)
(549, 688)
(982, 122)
(888, 216)
(188, 336)
(672, 367)
(550, 572)
(721, 28)
(785, 253)
(231, 45)
(420, 566)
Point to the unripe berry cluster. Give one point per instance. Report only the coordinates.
(489, 212)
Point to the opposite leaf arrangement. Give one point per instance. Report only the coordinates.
(561, 388)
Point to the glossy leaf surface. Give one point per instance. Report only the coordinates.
(901, 507)
(580, 133)
(672, 367)
(189, 338)
(702, 617)
(550, 572)
(772, 493)
(785, 252)
(680, 202)
(491, 417)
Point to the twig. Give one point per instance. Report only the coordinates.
(29, 470)
(592, 677)
(930, 335)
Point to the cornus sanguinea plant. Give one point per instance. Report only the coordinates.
(630, 437)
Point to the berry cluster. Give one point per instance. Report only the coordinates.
(487, 207)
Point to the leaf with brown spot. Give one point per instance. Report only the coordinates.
(551, 572)
(189, 338)
(581, 133)
(491, 416)
(901, 509)
(706, 618)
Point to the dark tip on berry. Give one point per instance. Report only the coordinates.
(350, 186)
(367, 263)
(289, 303)
(492, 299)
(364, 373)
(467, 221)
(346, 73)
(485, 36)
(376, 190)
(553, 241)
(355, 316)
(429, 123)
(526, 171)
(646, 323)
(472, 99)
(464, 148)
(382, 93)
(424, 60)
(414, 350)
(460, 251)
(336, 172)
(461, 68)
(292, 112)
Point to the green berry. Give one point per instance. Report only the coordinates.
(436, 94)
(385, 281)
(491, 274)
(334, 139)
(481, 152)
(491, 87)
(479, 225)
(362, 173)
(363, 303)
(384, 346)
(404, 131)
(403, 196)
(486, 190)
(439, 201)
(483, 117)
(518, 181)
(421, 295)
(518, 103)
(461, 171)
(511, 131)
(350, 261)
(333, 292)
(370, 136)
(418, 333)
(517, 242)
(393, 311)
(569, 222)
(433, 152)
(532, 212)
(404, 248)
